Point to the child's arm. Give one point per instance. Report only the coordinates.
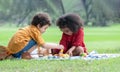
(52, 46)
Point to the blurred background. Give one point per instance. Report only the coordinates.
(93, 12)
(101, 20)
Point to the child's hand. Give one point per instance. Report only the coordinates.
(69, 52)
(60, 47)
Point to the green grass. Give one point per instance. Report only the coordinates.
(106, 65)
(103, 40)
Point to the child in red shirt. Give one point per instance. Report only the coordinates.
(73, 35)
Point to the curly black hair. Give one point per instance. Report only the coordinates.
(42, 19)
(71, 21)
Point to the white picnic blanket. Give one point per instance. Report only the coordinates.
(92, 56)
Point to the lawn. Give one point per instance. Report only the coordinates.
(103, 40)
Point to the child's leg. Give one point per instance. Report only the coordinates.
(32, 49)
(25, 49)
(78, 50)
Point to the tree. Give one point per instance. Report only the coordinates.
(88, 9)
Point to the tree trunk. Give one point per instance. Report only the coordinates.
(62, 6)
(88, 9)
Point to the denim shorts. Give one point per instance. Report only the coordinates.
(26, 48)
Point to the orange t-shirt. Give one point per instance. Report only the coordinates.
(22, 37)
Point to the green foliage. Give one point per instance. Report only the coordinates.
(97, 12)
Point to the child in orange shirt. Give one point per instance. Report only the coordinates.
(25, 38)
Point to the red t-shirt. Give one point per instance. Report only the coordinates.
(76, 39)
